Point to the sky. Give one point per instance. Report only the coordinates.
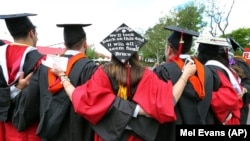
(104, 15)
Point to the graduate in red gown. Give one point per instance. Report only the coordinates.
(124, 100)
(227, 96)
(17, 61)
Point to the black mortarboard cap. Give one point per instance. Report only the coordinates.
(123, 42)
(73, 33)
(18, 23)
(1, 43)
(181, 38)
(235, 45)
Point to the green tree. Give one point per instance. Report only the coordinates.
(190, 16)
(186, 16)
(242, 36)
(156, 37)
(91, 53)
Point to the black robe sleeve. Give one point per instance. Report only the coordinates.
(27, 104)
(57, 109)
(6, 104)
(113, 124)
(161, 72)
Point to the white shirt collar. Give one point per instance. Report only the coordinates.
(184, 56)
(71, 52)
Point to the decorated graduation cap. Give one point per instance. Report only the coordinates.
(18, 23)
(217, 41)
(73, 33)
(123, 42)
(213, 45)
(181, 39)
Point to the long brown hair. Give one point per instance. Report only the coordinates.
(118, 70)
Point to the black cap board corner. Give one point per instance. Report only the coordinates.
(73, 33)
(1, 42)
(235, 44)
(18, 23)
(123, 42)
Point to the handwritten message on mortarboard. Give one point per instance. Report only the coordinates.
(123, 42)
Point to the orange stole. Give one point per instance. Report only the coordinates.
(54, 82)
(198, 82)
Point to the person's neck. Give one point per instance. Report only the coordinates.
(22, 42)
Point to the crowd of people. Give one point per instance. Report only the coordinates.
(120, 100)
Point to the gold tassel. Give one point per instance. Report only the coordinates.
(122, 92)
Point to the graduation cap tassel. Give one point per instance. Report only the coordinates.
(226, 50)
(180, 45)
(128, 66)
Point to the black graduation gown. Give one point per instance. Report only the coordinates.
(246, 99)
(189, 109)
(6, 104)
(58, 121)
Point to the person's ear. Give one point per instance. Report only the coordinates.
(85, 45)
(169, 51)
(32, 33)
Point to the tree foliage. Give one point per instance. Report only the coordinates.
(156, 38)
(190, 16)
(187, 16)
(91, 53)
(242, 36)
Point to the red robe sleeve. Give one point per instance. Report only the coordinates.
(226, 100)
(93, 99)
(155, 97)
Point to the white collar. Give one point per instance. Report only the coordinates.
(235, 82)
(184, 56)
(71, 52)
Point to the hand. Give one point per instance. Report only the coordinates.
(57, 70)
(244, 90)
(228, 118)
(189, 68)
(23, 81)
(143, 113)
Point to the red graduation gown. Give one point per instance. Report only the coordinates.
(93, 99)
(9, 133)
(226, 99)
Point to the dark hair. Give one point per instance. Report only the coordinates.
(175, 42)
(76, 45)
(23, 34)
(212, 52)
